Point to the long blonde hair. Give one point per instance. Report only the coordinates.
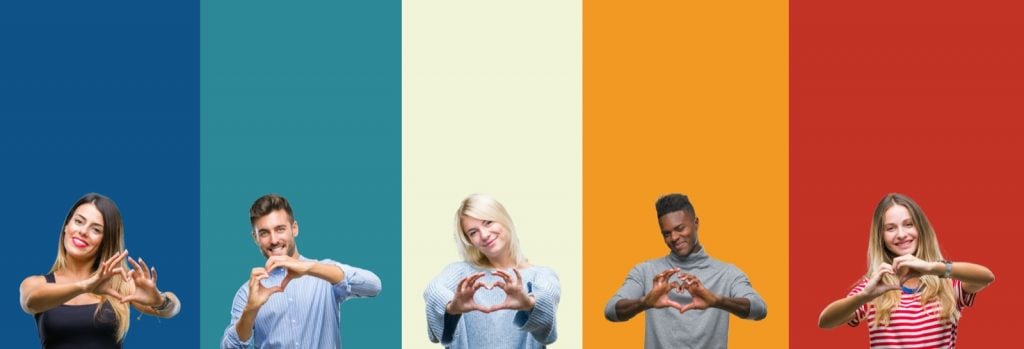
(112, 243)
(927, 250)
(484, 207)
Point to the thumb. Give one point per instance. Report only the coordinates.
(115, 294)
(684, 308)
(675, 305)
(882, 288)
(504, 305)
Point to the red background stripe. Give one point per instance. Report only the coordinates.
(919, 97)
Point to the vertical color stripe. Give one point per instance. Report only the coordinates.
(910, 97)
(491, 104)
(685, 97)
(303, 99)
(102, 97)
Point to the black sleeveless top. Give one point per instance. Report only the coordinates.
(77, 326)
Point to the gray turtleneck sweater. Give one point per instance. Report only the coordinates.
(667, 328)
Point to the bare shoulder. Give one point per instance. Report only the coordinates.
(32, 281)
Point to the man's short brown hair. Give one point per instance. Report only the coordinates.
(267, 204)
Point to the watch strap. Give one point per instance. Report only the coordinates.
(949, 269)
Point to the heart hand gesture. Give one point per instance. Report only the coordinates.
(876, 286)
(259, 294)
(144, 278)
(658, 297)
(463, 301)
(100, 282)
(515, 292)
(702, 297)
(909, 267)
(294, 267)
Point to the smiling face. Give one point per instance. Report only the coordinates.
(679, 230)
(489, 237)
(899, 231)
(275, 234)
(83, 232)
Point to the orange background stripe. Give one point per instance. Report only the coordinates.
(689, 97)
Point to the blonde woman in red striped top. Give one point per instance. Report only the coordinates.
(910, 297)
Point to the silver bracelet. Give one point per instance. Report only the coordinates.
(163, 306)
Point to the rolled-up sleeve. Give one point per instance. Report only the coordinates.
(632, 288)
(741, 287)
(230, 339)
(358, 282)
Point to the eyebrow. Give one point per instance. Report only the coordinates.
(902, 220)
(86, 219)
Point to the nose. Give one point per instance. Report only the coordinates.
(485, 234)
(901, 233)
(674, 236)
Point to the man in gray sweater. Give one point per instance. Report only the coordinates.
(686, 296)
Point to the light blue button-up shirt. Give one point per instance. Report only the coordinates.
(305, 315)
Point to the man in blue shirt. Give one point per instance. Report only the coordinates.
(292, 301)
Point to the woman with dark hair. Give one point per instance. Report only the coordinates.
(83, 301)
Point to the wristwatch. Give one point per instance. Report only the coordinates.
(949, 268)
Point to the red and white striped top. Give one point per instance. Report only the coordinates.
(912, 325)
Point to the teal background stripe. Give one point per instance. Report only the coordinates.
(302, 99)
